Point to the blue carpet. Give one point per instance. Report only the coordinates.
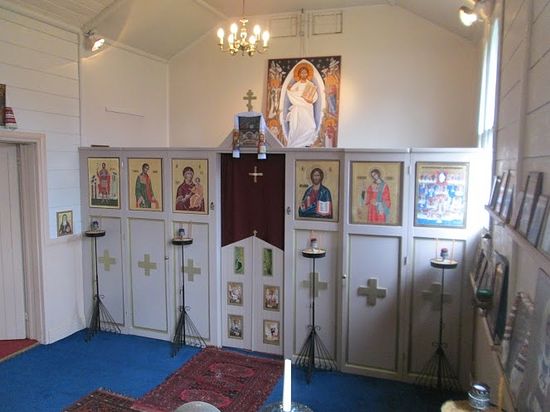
(51, 377)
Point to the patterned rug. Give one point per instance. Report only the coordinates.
(230, 381)
(11, 348)
(102, 400)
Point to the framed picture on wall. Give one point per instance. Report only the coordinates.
(544, 241)
(533, 188)
(496, 314)
(495, 188)
(506, 208)
(516, 209)
(376, 193)
(271, 297)
(190, 186)
(536, 221)
(235, 293)
(2, 103)
(317, 188)
(64, 223)
(104, 182)
(501, 191)
(145, 184)
(441, 194)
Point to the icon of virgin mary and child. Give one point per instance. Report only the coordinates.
(190, 194)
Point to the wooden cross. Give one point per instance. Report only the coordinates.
(317, 284)
(107, 260)
(434, 295)
(372, 291)
(249, 96)
(147, 265)
(255, 174)
(191, 270)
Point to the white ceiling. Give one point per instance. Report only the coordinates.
(165, 27)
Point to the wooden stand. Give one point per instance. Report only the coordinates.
(313, 343)
(186, 332)
(101, 318)
(439, 366)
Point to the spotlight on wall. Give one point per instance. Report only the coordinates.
(93, 42)
(478, 10)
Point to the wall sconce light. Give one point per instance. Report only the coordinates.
(92, 42)
(477, 10)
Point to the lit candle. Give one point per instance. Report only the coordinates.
(287, 385)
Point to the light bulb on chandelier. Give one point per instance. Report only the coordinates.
(238, 40)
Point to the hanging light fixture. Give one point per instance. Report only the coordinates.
(93, 42)
(239, 40)
(478, 10)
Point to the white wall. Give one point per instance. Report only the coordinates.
(405, 82)
(124, 99)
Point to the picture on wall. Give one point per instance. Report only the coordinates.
(2, 103)
(145, 184)
(64, 223)
(317, 188)
(535, 394)
(376, 193)
(190, 186)
(238, 260)
(496, 314)
(536, 221)
(267, 262)
(441, 194)
(271, 297)
(235, 326)
(303, 96)
(235, 293)
(104, 182)
(271, 332)
(533, 188)
(544, 242)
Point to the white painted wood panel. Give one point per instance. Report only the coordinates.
(509, 107)
(14, 76)
(63, 196)
(36, 40)
(62, 160)
(538, 132)
(325, 302)
(48, 122)
(508, 138)
(110, 266)
(512, 72)
(148, 275)
(38, 26)
(197, 277)
(31, 59)
(514, 31)
(538, 6)
(540, 35)
(373, 328)
(539, 84)
(59, 179)
(425, 310)
(511, 10)
(12, 302)
(43, 102)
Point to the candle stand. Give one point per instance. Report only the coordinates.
(186, 332)
(101, 318)
(438, 366)
(313, 345)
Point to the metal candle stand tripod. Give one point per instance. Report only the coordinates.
(439, 366)
(313, 343)
(186, 332)
(101, 318)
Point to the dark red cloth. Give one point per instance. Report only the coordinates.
(248, 206)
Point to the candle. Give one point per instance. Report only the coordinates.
(436, 248)
(453, 249)
(287, 385)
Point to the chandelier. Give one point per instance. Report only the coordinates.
(238, 40)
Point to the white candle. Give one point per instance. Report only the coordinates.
(287, 385)
(436, 251)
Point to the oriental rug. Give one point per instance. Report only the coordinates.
(102, 400)
(231, 381)
(11, 348)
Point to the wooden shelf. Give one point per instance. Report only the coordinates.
(540, 258)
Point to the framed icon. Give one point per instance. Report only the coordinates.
(272, 332)
(235, 326)
(317, 188)
(441, 194)
(271, 297)
(104, 182)
(235, 293)
(145, 184)
(376, 192)
(190, 186)
(64, 223)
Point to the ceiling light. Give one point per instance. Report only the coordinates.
(93, 42)
(479, 10)
(238, 40)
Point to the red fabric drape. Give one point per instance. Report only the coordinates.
(248, 206)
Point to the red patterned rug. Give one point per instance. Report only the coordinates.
(10, 348)
(230, 381)
(102, 400)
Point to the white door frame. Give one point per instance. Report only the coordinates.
(32, 152)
